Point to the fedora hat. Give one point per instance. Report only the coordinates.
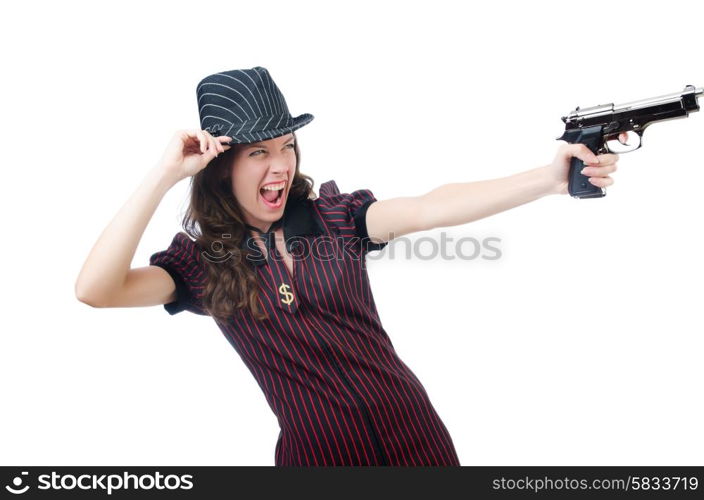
(245, 104)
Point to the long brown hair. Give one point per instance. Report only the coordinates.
(213, 211)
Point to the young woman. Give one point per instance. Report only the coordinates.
(282, 273)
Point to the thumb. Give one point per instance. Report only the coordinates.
(582, 152)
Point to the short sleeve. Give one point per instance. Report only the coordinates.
(183, 262)
(348, 212)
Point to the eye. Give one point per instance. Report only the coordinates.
(292, 145)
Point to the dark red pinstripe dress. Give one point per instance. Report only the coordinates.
(327, 368)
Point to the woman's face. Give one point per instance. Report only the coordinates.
(269, 163)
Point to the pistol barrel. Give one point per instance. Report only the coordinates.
(688, 97)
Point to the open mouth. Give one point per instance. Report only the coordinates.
(273, 198)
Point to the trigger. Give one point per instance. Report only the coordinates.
(630, 142)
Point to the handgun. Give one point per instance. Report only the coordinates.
(599, 127)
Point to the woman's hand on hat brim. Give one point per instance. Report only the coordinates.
(209, 144)
(190, 151)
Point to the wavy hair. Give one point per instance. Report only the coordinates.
(213, 211)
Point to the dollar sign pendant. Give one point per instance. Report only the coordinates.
(284, 290)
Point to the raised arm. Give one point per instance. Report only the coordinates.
(460, 203)
(106, 279)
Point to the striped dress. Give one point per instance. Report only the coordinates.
(326, 366)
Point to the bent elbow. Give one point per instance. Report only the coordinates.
(87, 298)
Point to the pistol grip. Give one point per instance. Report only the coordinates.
(578, 185)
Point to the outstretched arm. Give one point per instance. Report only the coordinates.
(459, 203)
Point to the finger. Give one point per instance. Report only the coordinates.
(623, 137)
(201, 139)
(601, 181)
(212, 148)
(583, 153)
(206, 144)
(608, 158)
(599, 171)
(217, 147)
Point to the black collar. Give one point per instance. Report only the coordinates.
(299, 219)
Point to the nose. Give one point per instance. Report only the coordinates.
(278, 166)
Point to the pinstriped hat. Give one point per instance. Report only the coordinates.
(245, 104)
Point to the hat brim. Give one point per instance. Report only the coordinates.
(265, 135)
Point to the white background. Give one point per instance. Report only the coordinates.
(581, 345)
